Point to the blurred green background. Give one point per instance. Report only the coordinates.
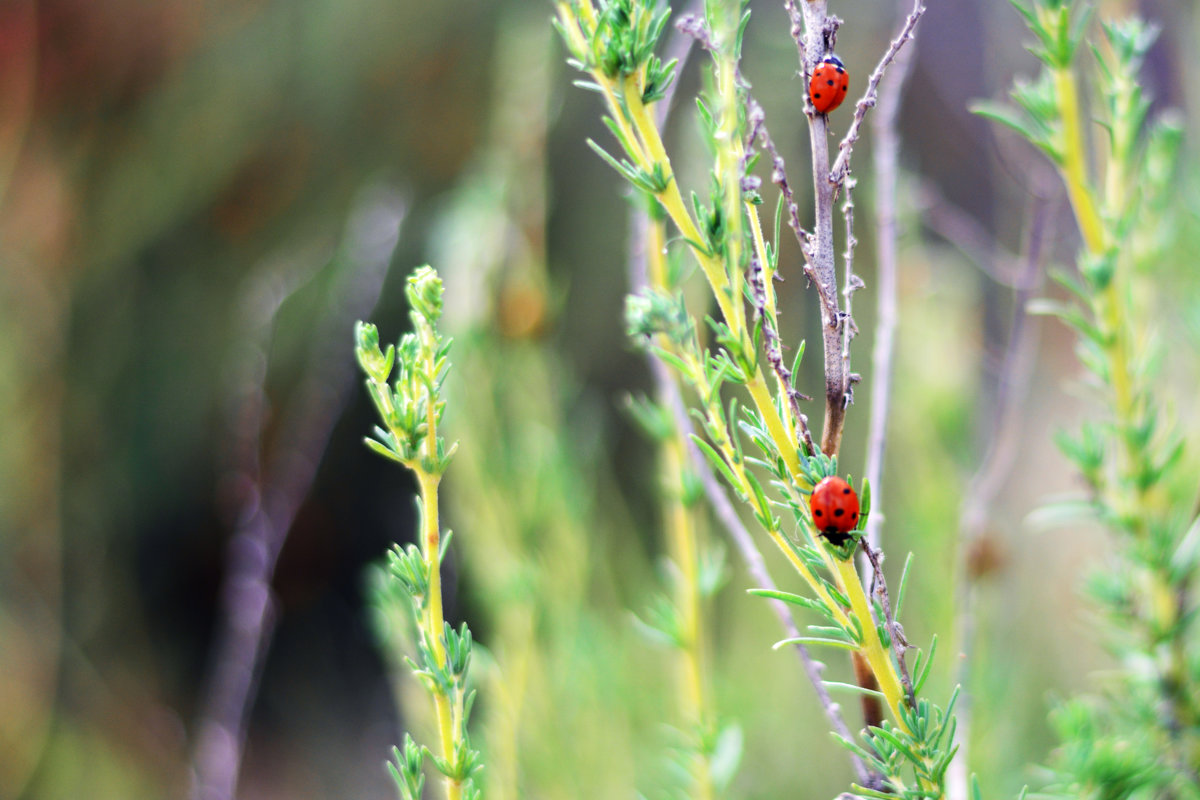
(170, 169)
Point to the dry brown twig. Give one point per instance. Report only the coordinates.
(886, 151)
(841, 167)
(815, 33)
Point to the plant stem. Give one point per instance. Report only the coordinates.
(435, 626)
(886, 159)
(872, 647)
(1074, 166)
(1125, 492)
(825, 270)
(685, 546)
(729, 299)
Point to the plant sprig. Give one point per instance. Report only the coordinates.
(410, 408)
(1143, 737)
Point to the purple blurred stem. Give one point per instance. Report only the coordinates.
(272, 497)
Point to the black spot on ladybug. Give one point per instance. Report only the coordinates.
(846, 491)
(817, 512)
(829, 83)
(837, 512)
(817, 96)
(854, 515)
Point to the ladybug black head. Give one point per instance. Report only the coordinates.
(832, 59)
(835, 537)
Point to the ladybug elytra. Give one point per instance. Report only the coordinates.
(834, 507)
(828, 84)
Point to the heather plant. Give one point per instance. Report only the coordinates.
(763, 447)
(410, 408)
(1140, 735)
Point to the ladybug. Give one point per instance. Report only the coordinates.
(834, 507)
(828, 84)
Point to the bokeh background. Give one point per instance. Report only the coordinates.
(198, 199)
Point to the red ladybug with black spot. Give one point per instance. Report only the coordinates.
(828, 85)
(834, 507)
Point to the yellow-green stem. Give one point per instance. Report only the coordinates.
(730, 152)
(683, 535)
(1074, 163)
(1091, 227)
(672, 203)
(672, 199)
(435, 626)
(872, 646)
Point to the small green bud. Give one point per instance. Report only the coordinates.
(374, 363)
(424, 292)
(458, 652)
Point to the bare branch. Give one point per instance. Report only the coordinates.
(886, 151)
(851, 283)
(841, 167)
(817, 38)
(964, 232)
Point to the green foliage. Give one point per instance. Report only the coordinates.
(1059, 26)
(1141, 738)
(413, 403)
(406, 769)
(911, 758)
(411, 409)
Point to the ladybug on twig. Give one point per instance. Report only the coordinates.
(828, 84)
(834, 507)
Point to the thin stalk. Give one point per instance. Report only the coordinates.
(826, 276)
(695, 700)
(819, 29)
(682, 531)
(1074, 165)
(872, 647)
(886, 158)
(435, 626)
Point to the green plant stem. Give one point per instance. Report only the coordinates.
(695, 697)
(728, 299)
(683, 535)
(435, 627)
(639, 129)
(1074, 165)
(872, 649)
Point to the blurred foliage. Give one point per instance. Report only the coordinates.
(155, 156)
